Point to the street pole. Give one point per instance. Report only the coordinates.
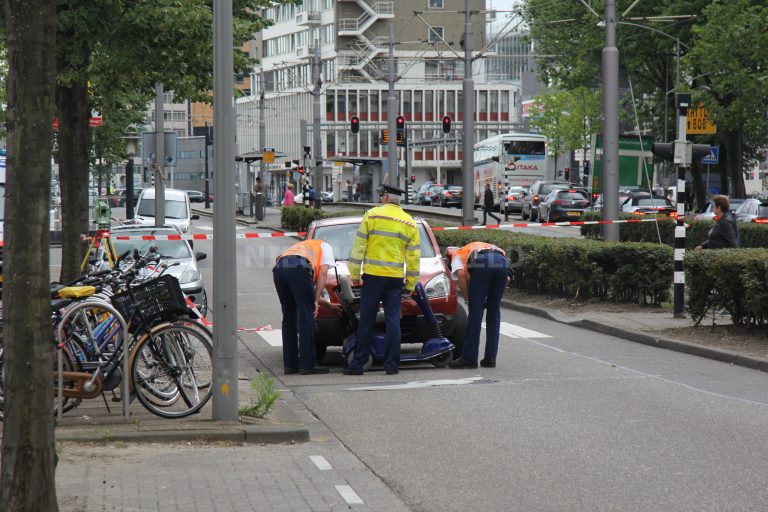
(207, 175)
(682, 102)
(225, 403)
(468, 146)
(408, 161)
(316, 136)
(262, 130)
(392, 109)
(159, 156)
(610, 125)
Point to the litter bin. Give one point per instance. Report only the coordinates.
(259, 206)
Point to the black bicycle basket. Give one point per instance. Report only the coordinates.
(157, 298)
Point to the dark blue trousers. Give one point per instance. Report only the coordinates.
(488, 278)
(386, 290)
(296, 290)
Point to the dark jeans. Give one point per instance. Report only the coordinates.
(488, 278)
(489, 211)
(296, 291)
(386, 290)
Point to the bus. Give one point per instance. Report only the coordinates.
(509, 159)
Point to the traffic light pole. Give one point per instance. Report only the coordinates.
(392, 165)
(316, 136)
(682, 102)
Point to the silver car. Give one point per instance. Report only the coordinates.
(172, 251)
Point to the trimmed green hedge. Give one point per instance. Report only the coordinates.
(621, 272)
(751, 235)
(734, 280)
(298, 217)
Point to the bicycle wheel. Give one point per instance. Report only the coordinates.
(172, 370)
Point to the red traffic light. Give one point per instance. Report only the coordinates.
(300, 169)
(400, 122)
(354, 124)
(413, 178)
(446, 124)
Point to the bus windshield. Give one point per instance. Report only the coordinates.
(524, 147)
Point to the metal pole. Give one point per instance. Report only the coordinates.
(224, 262)
(682, 102)
(392, 109)
(408, 161)
(317, 140)
(159, 156)
(468, 146)
(262, 130)
(610, 125)
(129, 212)
(207, 175)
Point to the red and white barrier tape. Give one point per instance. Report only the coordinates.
(208, 323)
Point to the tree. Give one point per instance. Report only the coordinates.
(584, 106)
(550, 116)
(28, 451)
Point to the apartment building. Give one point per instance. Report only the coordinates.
(352, 36)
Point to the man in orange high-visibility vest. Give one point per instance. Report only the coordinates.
(299, 276)
(482, 270)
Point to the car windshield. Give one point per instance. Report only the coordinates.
(524, 147)
(341, 237)
(173, 209)
(172, 249)
(652, 202)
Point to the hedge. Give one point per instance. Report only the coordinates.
(734, 280)
(750, 234)
(621, 272)
(299, 218)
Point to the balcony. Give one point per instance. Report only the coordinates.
(308, 19)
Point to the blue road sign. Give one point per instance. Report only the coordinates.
(713, 157)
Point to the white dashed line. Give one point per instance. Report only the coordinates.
(515, 331)
(349, 495)
(320, 462)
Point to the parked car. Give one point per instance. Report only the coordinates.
(538, 191)
(174, 251)
(425, 198)
(753, 210)
(708, 212)
(645, 204)
(563, 204)
(326, 197)
(515, 196)
(450, 196)
(177, 210)
(340, 233)
(597, 202)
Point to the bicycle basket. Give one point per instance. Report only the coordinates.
(158, 298)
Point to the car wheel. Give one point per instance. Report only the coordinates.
(202, 303)
(523, 215)
(534, 218)
(351, 357)
(442, 360)
(459, 331)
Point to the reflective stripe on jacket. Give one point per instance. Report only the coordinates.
(387, 238)
(465, 252)
(311, 250)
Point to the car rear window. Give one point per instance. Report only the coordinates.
(573, 195)
(546, 188)
(652, 202)
(342, 236)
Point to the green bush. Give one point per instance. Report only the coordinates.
(734, 280)
(621, 272)
(265, 396)
(299, 218)
(750, 235)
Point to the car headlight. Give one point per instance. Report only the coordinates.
(438, 286)
(189, 276)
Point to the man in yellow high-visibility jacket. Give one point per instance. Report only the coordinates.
(387, 241)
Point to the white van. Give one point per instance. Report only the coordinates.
(177, 211)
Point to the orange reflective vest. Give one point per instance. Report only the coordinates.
(465, 252)
(312, 250)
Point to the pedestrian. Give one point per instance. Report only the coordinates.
(358, 189)
(258, 186)
(482, 271)
(299, 276)
(288, 198)
(387, 240)
(725, 232)
(488, 205)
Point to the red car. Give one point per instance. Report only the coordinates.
(340, 233)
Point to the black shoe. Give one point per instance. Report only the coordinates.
(488, 363)
(350, 371)
(314, 370)
(393, 372)
(461, 363)
(290, 371)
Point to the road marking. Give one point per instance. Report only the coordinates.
(320, 462)
(420, 384)
(274, 338)
(349, 495)
(516, 331)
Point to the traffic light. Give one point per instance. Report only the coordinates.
(664, 150)
(413, 178)
(700, 151)
(446, 124)
(567, 173)
(400, 124)
(354, 124)
(300, 169)
(685, 156)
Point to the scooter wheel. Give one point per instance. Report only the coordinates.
(351, 357)
(442, 360)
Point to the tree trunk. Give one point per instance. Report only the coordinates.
(28, 450)
(734, 164)
(74, 112)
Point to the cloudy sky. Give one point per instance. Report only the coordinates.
(500, 4)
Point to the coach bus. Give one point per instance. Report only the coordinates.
(509, 159)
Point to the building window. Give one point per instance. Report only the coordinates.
(435, 34)
(436, 4)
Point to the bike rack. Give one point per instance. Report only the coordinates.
(60, 341)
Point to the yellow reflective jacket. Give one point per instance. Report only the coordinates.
(387, 238)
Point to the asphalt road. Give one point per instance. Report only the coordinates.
(569, 420)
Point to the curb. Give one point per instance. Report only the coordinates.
(238, 433)
(717, 354)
